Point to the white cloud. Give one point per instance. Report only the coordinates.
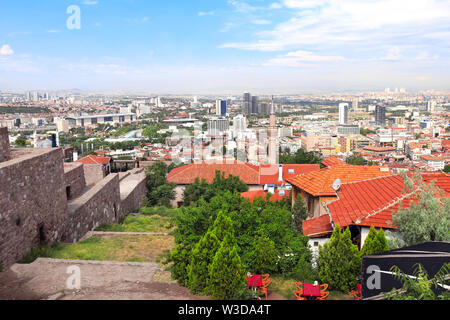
(344, 22)
(275, 5)
(393, 54)
(298, 59)
(90, 2)
(53, 31)
(261, 22)
(6, 50)
(209, 13)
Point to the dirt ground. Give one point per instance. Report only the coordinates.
(46, 278)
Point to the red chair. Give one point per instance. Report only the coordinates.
(357, 294)
(299, 295)
(323, 292)
(265, 285)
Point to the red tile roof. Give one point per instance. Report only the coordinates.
(270, 173)
(249, 174)
(252, 195)
(317, 227)
(372, 202)
(93, 159)
(332, 161)
(319, 183)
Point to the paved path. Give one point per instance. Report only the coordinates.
(100, 280)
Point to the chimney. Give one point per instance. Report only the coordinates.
(280, 173)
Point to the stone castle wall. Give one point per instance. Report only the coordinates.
(133, 189)
(93, 173)
(100, 205)
(32, 202)
(4, 144)
(74, 179)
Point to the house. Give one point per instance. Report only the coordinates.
(437, 163)
(258, 178)
(95, 168)
(316, 187)
(362, 204)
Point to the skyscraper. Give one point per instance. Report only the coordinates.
(356, 105)
(431, 105)
(254, 104)
(380, 115)
(343, 113)
(273, 136)
(221, 108)
(247, 103)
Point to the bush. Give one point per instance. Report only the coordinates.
(339, 262)
(375, 243)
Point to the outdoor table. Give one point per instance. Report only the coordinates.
(311, 291)
(255, 281)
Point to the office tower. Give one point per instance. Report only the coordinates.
(387, 90)
(221, 108)
(431, 105)
(247, 103)
(273, 136)
(254, 104)
(195, 99)
(28, 96)
(356, 105)
(35, 96)
(239, 123)
(380, 115)
(343, 113)
(217, 126)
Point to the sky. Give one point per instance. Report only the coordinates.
(225, 46)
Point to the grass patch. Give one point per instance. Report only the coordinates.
(123, 248)
(141, 223)
(286, 287)
(160, 211)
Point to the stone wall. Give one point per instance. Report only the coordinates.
(93, 173)
(98, 206)
(32, 202)
(133, 189)
(74, 179)
(4, 144)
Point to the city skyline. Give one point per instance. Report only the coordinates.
(288, 46)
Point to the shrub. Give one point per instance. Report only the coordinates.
(339, 261)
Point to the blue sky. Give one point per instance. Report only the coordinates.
(226, 46)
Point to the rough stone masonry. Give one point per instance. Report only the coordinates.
(44, 200)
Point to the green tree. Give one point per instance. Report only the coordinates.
(159, 191)
(428, 219)
(447, 168)
(180, 262)
(339, 261)
(299, 214)
(300, 157)
(375, 243)
(355, 160)
(226, 273)
(21, 141)
(264, 256)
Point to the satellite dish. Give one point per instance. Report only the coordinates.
(337, 185)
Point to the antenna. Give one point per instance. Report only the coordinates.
(337, 185)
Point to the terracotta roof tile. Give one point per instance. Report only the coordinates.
(93, 159)
(317, 227)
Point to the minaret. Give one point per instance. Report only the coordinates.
(273, 135)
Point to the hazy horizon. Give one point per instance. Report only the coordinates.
(225, 46)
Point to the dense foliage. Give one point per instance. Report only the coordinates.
(339, 262)
(300, 157)
(375, 243)
(420, 287)
(160, 192)
(200, 189)
(426, 220)
(232, 234)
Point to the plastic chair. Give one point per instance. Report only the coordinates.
(265, 285)
(299, 295)
(323, 292)
(357, 294)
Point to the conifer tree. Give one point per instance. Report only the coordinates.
(264, 256)
(375, 243)
(226, 273)
(339, 261)
(299, 214)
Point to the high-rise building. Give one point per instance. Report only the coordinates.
(221, 108)
(380, 115)
(431, 105)
(239, 123)
(247, 103)
(343, 113)
(273, 136)
(254, 104)
(218, 126)
(356, 105)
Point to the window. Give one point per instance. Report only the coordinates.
(108, 119)
(94, 121)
